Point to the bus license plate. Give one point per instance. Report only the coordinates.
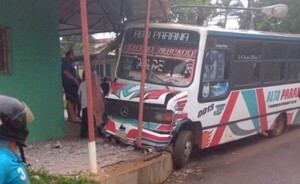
(121, 134)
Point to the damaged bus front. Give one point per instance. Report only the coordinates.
(171, 60)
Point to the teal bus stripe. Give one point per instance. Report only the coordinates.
(251, 103)
(257, 35)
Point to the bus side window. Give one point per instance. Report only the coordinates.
(215, 73)
(214, 66)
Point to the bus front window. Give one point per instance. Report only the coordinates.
(171, 56)
(176, 72)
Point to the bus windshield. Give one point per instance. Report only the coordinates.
(171, 56)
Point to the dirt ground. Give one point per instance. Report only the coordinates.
(69, 156)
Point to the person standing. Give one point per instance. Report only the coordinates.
(98, 105)
(83, 99)
(14, 116)
(71, 81)
(105, 86)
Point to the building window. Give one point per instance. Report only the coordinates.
(104, 71)
(5, 51)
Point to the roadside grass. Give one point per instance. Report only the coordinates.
(42, 177)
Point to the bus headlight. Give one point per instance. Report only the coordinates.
(163, 117)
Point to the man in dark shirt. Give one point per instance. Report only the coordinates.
(71, 81)
(105, 86)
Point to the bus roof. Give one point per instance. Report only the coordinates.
(228, 32)
(253, 34)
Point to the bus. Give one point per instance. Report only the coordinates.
(203, 86)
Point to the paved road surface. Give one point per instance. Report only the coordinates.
(255, 160)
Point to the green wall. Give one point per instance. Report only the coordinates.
(36, 76)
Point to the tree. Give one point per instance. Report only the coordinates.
(198, 15)
(288, 24)
(189, 15)
(245, 18)
(227, 12)
(74, 43)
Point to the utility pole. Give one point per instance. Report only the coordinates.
(252, 15)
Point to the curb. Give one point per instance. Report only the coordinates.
(154, 169)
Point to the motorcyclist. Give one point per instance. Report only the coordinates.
(14, 116)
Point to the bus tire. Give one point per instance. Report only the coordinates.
(278, 127)
(183, 148)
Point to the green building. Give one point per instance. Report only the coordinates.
(30, 64)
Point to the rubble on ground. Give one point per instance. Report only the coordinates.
(70, 157)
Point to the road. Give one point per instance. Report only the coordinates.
(255, 160)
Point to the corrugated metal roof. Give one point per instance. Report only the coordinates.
(108, 15)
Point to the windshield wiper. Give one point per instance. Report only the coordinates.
(161, 80)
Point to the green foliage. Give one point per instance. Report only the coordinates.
(187, 15)
(75, 43)
(42, 177)
(288, 24)
(199, 16)
(190, 2)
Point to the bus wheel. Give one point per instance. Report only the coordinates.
(279, 127)
(183, 148)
